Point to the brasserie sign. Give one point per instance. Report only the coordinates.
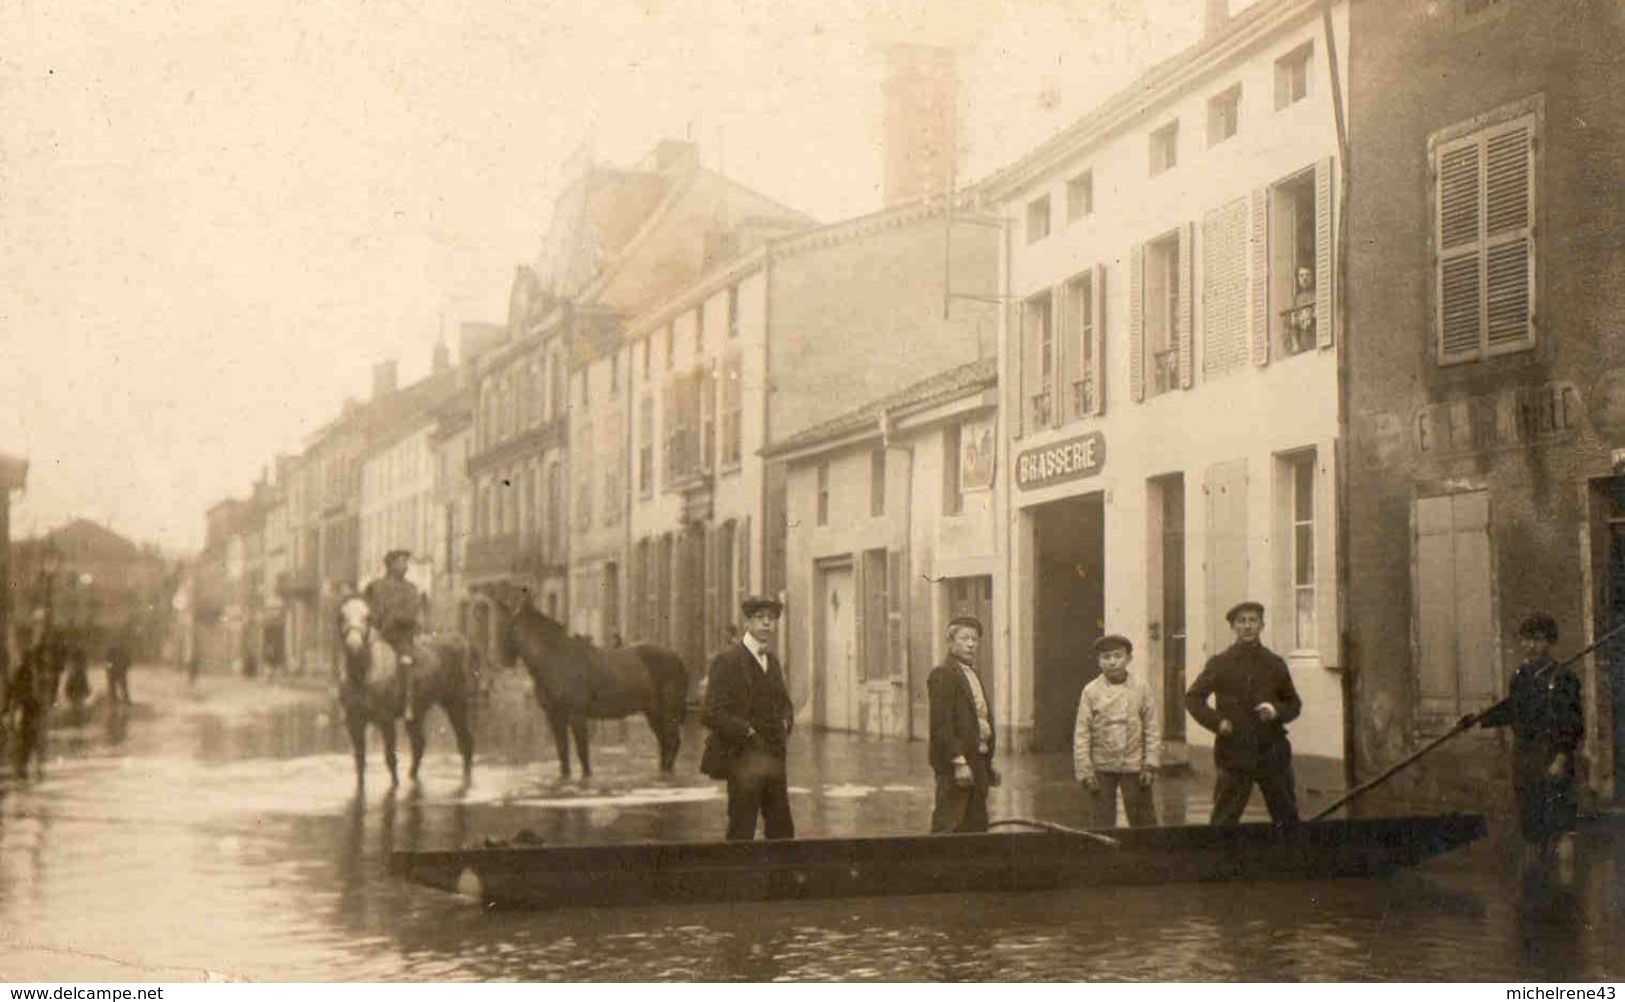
(1073, 459)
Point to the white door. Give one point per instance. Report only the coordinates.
(837, 651)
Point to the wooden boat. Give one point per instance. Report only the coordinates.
(540, 876)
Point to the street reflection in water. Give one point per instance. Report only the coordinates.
(217, 833)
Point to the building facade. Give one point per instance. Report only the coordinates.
(1486, 391)
(1168, 377)
(809, 327)
(891, 535)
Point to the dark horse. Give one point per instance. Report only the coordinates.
(447, 667)
(576, 682)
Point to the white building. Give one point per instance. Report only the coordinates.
(400, 483)
(1169, 381)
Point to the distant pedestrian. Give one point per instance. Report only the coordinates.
(1254, 699)
(118, 672)
(1117, 740)
(962, 737)
(1547, 716)
(747, 708)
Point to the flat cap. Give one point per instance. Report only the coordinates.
(760, 603)
(392, 554)
(970, 621)
(1241, 607)
(1114, 642)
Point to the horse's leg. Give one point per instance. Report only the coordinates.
(579, 725)
(415, 738)
(387, 726)
(459, 712)
(559, 722)
(355, 722)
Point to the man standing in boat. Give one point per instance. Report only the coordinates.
(747, 708)
(1253, 699)
(961, 747)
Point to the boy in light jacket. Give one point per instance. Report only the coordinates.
(1117, 741)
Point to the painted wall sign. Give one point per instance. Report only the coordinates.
(1073, 459)
(976, 452)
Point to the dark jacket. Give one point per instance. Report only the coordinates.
(1238, 679)
(1545, 712)
(396, 607)
(953, 719)
(739, 696)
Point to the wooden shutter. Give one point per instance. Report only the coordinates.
(1509, 216)
(1015, 334)
(1187, 335)
(1097, 303)
(744, 556)
(1136, 322)
(1225, 495)
(1458, 242)
(1259, 243)
(896, 605)
(1325, 248)
(1455, 631)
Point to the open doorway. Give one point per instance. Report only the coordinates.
(1608, 570)
(1069, 609)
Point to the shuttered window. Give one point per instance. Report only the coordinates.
(1455, 624)
(1484, 248)
(1038, 364)
(1081, 343)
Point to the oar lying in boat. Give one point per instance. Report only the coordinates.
(1051, 826)
(1464, 724)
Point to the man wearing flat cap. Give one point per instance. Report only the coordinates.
(1253, 698)
(961, 746)
(747, 708)
(396, 606)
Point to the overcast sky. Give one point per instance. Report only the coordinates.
(216, 217)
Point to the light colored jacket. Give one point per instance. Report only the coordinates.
(1118, 729)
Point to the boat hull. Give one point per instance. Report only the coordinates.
(667, 872)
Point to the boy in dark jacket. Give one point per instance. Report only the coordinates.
(1544, 710)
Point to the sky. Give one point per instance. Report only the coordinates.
(217, 217)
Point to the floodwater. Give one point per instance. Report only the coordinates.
(215, 833)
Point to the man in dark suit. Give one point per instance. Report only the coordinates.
(961, 748)
(1252, 701)
(747, 708)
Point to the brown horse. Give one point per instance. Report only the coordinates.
(447, 675)
(576, 682)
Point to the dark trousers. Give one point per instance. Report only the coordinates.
(1142, 813)
(1233, 788)
(758, 785)
(961, 808)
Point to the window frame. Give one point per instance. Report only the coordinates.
(1162, 148)
(1479, 131)
(1083, 182)
(1299, 57)
(1039, 222)
(1222, 107)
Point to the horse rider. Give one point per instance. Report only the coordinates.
(397, 606)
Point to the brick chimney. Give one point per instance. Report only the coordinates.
(384, 378)
(921, 121)
(1215, 16)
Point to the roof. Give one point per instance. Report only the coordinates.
(1146, 91)
(944, 387)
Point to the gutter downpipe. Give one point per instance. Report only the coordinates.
(1351, 770)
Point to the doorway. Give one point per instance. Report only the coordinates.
(836, 637)
(1069, 592)
(1165, 633)
(1608, 506)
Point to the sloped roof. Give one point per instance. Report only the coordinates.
(82, 538)
(941, 388)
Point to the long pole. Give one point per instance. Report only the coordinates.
(1461, 725)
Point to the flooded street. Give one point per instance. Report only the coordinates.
(215, 833)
